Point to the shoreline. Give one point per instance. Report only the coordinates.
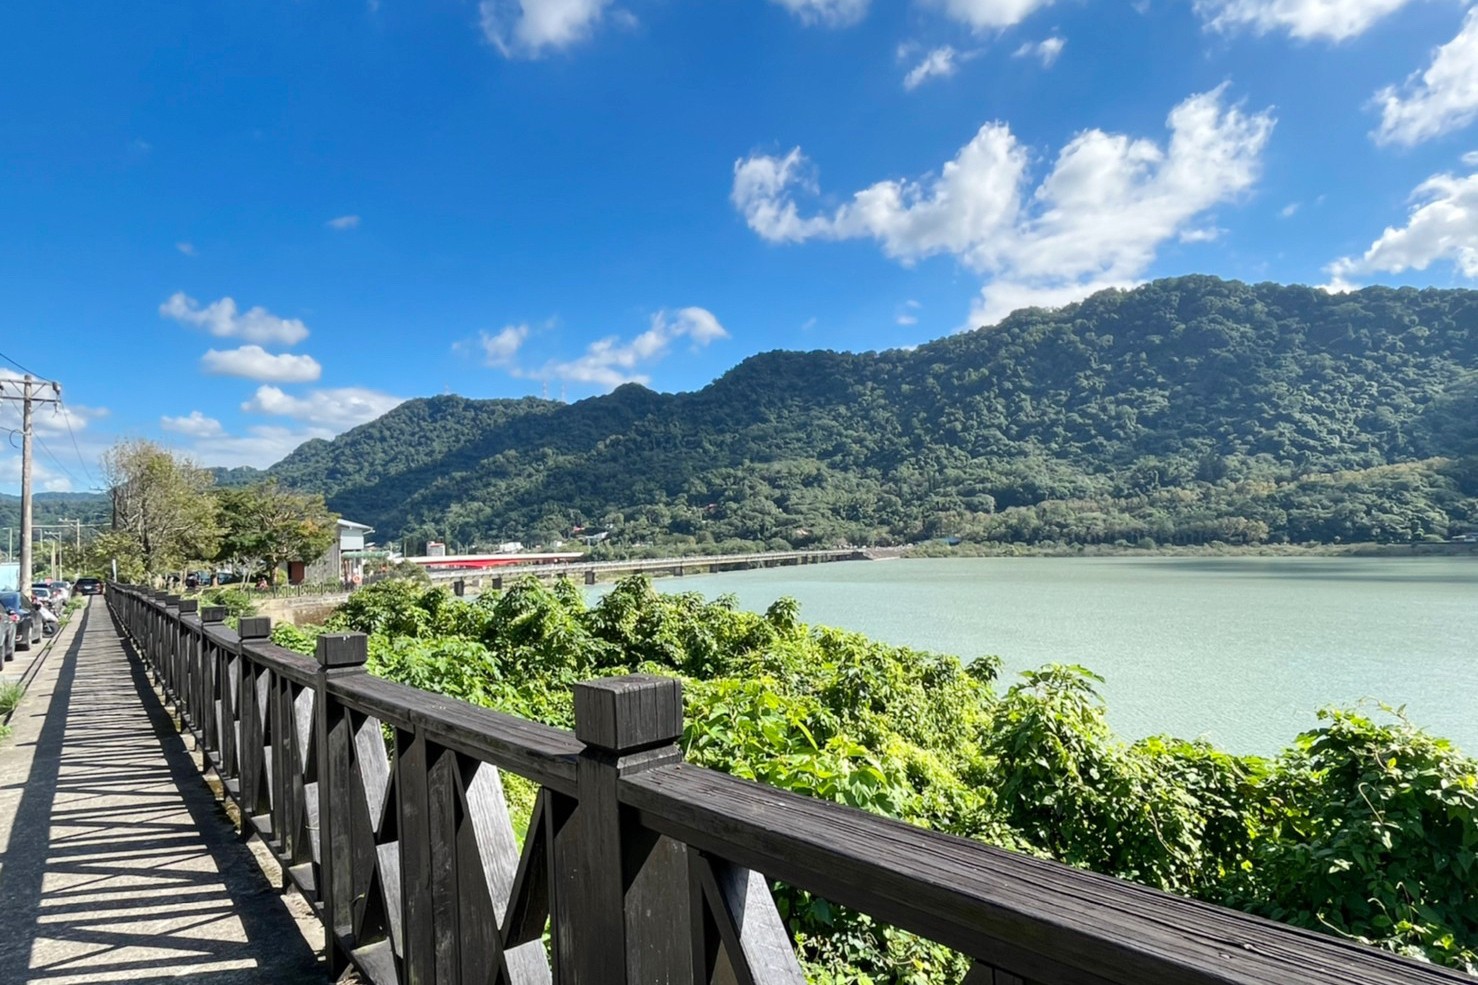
(1443, 549)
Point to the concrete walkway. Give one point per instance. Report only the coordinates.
(118, 864)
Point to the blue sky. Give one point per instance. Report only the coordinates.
(231, 226)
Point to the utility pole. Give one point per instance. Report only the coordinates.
(29, 393)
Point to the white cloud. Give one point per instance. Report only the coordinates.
(186, 248)
(1439, 100)
(985, 15)
(906, 313)
(1095, 221)
(610, 362)
(46, 476)
(1046, 51)
(1287, 211)
(529, 28)
(1471, 158)
(1442, 226)
(501, 348)
(336, 409)
(222, 320)
(1307, 20)
(193, 425)
(831, 13)
(1205, 234)
(343, 222)
(260, 446)
(937, 64)
(58, 465)
(255, 363)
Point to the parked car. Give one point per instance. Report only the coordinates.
(41, 595)
(61, 588)
(7, 639)
(89, 586)
(23, 616)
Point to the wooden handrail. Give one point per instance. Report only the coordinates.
(385, 805)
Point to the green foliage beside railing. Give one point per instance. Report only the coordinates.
(1365, 828)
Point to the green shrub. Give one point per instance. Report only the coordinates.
(236, 601)
(1363, 829)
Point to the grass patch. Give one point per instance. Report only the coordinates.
(10, 696)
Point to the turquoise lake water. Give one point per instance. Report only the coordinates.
(1242, 651)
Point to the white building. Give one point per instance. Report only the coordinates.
(342, 562)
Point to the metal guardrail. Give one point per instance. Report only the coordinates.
(385, 805)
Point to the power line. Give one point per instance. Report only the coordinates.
(57, 461)
(23, 369)
(67, 416)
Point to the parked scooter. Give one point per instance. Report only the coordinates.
(50, 623)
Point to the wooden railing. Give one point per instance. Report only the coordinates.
(385, 806)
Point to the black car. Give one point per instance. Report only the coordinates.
(25, 618)
(7, 639)
(88, 586)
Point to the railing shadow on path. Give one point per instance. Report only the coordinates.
(121, 864)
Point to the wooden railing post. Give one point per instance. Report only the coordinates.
(251, 737)
(170, 643)
(188, 642)
(339, 654)
(621, 910)
(209, 666)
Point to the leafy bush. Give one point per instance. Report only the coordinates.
(1363, 828)
(1375, 837)
(236, 601)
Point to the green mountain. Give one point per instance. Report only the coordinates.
(56, 508)
(1187, 410)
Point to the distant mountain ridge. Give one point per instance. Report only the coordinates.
(1186, 410)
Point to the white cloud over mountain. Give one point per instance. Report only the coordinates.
(607, 362)
(193, 425)
(223, 320)
(1441, 226)
(252, 362)
(336, 409)
(1439, 100)
(1096, 220)
(501, 348)
(610, 362)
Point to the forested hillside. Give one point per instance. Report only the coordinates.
(56, 508)
(1185, 411)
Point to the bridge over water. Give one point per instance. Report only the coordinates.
(383, 805)
(593, 571)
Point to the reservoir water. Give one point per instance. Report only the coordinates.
(1242, 651)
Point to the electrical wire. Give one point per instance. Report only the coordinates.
(24, 369)
(67, 416)
(57, 461)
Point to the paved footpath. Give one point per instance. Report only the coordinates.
(118, 864)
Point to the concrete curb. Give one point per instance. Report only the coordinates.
(38, 657)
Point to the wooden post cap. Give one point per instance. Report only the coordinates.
(213, 613)
(191, 605)
(622, 714)
(171, 601)
(255, 628)
(342, 650)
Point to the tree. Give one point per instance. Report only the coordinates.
(163, 514)
(267, 525)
